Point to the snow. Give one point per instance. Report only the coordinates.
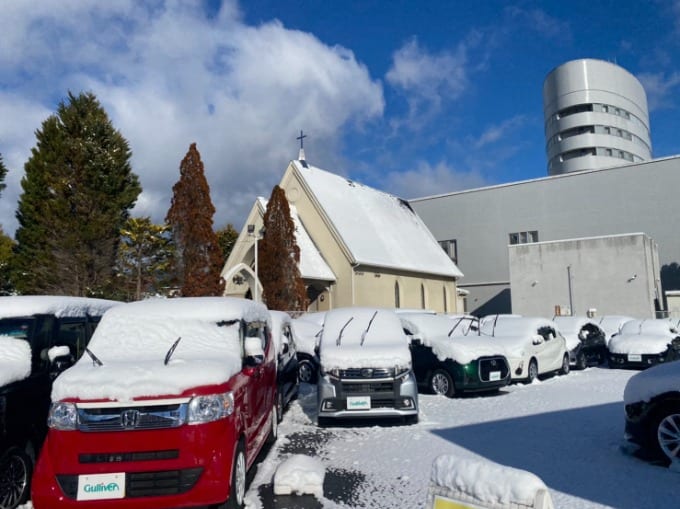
(570, 326)
(15, 360)
(384, 345)
(279, 320)
(133, 339)
(312, 265)
(382, 230)
(652, 382)
(306, 334)
(300, 475)
(58, 351)
(27, 305)
(426, 325)
(643, 337)
(611, 324)
(485, 481)
(654, 327)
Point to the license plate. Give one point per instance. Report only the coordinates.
(634, 357)
(359, 403)
(494, 376)
(101, 486)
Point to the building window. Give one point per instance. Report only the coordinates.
(397, 301)
(523, 237)
(450, 247)
(446, 304)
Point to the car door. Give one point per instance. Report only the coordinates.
(287, 363)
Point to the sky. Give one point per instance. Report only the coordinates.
(411, 97)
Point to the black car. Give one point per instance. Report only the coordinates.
(307, 332)
(586, 340)
(39, 338)
(652, 408)
(287, 361)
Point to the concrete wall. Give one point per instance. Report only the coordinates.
(616, 275)
(634, 198)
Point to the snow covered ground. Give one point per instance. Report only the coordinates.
(566, 429)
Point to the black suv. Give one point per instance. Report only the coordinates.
(57, 330)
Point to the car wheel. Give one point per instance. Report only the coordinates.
(237, 492)
(441, 383)
(533, 371)
(274, 423)
(565, 365)
(306, 371)
(668, 434)
(581, 362)
(16, 469)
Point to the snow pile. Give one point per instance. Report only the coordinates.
(15, 360)
(464, 349)
(300, 474)
(279, 320)
(132, 342)
(306, 334)
(489, 483)
(653, 381)
(27, 305)
(611, 324)
(363, 338)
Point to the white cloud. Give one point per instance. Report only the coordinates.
(500, 131)
(660, 88)
(168, 75)
(428, 180)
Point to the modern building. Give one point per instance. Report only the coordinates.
(595, 117)
(358, 247)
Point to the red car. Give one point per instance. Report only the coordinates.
(169, 407)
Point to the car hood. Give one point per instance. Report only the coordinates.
(653, 381)
(639, 344)
(364, 356)
(514, 346)
(572, 340)
(464, 349)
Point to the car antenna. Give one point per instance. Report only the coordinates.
(337, 341)
(363, 334)
(454, 327)
(95, 359)
(171, 350)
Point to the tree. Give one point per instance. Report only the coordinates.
(198, 254)
(145, 258)
(279, 257)
(6, 246)
(3, 172)
(77, 193)
(226, 238)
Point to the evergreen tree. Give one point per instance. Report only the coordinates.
(3, 172)
(198, 254)
(279, 258)
(77, 193)
(6, 246)
(145, 258)
(226, 238)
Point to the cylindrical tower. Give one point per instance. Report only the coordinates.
(595, 117)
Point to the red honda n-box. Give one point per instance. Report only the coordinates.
(169, 407)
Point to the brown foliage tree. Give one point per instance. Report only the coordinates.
(279, 258)
(199, 257)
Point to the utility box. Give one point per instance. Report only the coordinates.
(609, 275)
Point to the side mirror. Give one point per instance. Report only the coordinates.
(254, 352)
(537, 339)
(285, 348)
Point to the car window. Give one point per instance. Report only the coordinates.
(73, 333)
(258, 330)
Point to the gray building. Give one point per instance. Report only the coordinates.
(476, 226)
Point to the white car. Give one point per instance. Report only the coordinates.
(533, 346)
(644, 343)
(611, 324)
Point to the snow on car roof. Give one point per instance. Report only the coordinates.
(345, 342)
(15, 360)
(133, 339)
(572, 324)
(516, 326)
(306, 334)
(660, 326)
(612, 323)
(60, 306)
(653, 381)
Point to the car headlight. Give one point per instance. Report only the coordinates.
(63, 416)
(210, 408)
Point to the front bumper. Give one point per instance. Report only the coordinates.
(635, 361)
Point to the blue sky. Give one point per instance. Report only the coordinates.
(411, 97)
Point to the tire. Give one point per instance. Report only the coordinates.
(581, 362)
(16, 469)
(237, 491)
(532, 373)
(564, 370)
(274, 425)
(441, 383)
(306, 371)
(665, 439)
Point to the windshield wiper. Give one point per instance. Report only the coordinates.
(454, 327)
(171, 350)
(337, 341)
(95, 359)
(363, 334)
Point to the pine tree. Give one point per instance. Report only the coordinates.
(145, 258)
(77, 193)
(226, 238)
(3, 172)
(198, 254)
(6, 246)
(279, 257)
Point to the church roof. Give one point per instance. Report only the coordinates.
(377, 228)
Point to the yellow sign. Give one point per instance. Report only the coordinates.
(447, 503)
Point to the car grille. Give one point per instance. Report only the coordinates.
(359, 373)
(368, 388)
(120, 457)
(491, 364)
(144, 484)
(132, 418)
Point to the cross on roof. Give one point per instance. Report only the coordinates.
(301, 138)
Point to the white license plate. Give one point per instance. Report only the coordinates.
(359, 403)
(101, 486)
(494, 376)
(634, 357)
